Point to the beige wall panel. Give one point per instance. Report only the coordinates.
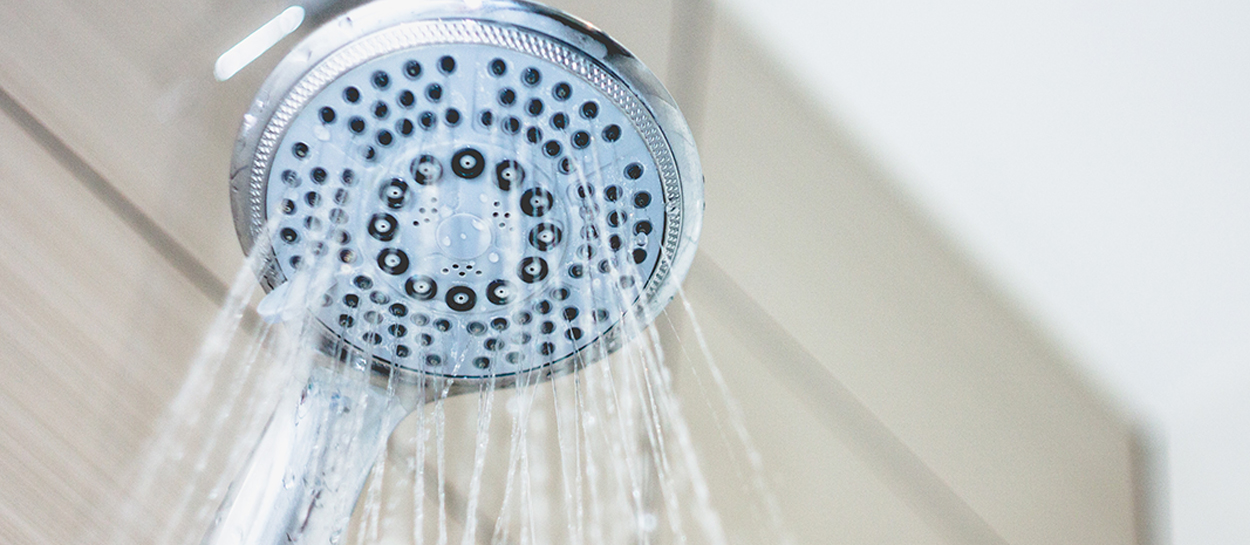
(826, 489)
(129, 87)
(812, 231)
(97, 331)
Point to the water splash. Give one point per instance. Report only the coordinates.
(598, 452)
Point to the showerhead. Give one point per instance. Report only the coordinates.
(476, 191)
(485, 189)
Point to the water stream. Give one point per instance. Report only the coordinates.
(595, 452)
(601, 455)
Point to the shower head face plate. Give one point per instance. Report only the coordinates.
(476, 199)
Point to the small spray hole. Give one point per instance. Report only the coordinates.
(357, 125)
(380, 110)
(639, 255)
(402, 351)
(559, 121)
(288, 206)
(434, 92)
(349, 177)
(385, 138)
(312, 198)
(642, 199)
(426, 120)
(531, 76)
(381, 80)
(562, 91)
(633, 171)
(399, 310)
(590, 110)
(612, 133)
(486, 118)
(447, 65)
(319, 175)
(289, 235)
(476, 328)
(581, 139)
(534, 135)
(406, 99)
(551, 148)
(512, 125)
(547, 327)
(507, 97)
(300, 150)
(405, 127)
(351, 94)
(327, 115)
(534, 107)
(499, 324)
(616, 218)
(412, 69)
(289, 177)
(481, 363)
(498, 67)
(452, 117)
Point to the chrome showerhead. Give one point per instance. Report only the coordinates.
(475, 191)
(486, 189)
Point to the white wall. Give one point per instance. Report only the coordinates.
(1094, 158)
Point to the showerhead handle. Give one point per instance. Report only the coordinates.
(303, 478)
